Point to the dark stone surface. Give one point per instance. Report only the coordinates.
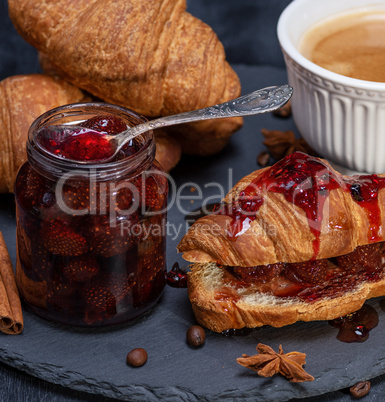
(247, 28)
(94, 360)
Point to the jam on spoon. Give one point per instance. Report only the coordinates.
(260, 101)
(80, 143)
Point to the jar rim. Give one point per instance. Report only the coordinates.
(140, 160)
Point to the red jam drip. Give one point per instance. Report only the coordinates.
(176, 277)
(364, 190)
(303, 180)
(355, 327)
(306, 182)
(83, 144)
(237, 332)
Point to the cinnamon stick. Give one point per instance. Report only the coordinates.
(11, 316)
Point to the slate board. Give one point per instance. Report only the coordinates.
(94, 360)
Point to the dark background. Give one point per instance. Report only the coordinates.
(247, 29)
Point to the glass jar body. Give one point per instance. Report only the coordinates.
(91, 240)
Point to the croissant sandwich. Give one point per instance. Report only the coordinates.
(151, 56)
(293, 242)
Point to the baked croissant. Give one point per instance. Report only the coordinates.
(279, 229)
(168, 150)
(22, 99)
(153, 57)
(295, 241)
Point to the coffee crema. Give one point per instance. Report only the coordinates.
(350, 44)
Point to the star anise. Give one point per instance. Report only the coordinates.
(283, 143)
(267, 363)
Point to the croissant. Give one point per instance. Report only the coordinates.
(22, 99)
(289, 227)
(295, 241)
(168, 150)
(153, 57)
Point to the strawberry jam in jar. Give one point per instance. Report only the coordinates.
(90, 237)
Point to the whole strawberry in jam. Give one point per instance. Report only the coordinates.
(107, 238)
(259, 273)
(79, 269)
(103, 294)
(152, 191)
(313, 271)
(61, 238)
(363, 258)
(80, 195)
(33, 191)
(107, 124)
(110, 124)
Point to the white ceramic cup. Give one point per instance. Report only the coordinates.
(341, 118)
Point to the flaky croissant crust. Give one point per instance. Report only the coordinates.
(151, 56)
(281, 231)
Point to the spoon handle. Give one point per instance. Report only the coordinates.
(261, 101)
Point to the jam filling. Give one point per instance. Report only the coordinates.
(306, 182)
(312, 280)
(364, 190)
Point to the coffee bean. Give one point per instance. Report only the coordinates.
(137, 357)
(195, 336)
(360, 389)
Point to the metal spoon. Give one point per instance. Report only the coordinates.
(260, 101)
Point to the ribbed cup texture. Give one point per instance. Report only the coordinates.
(343, 124)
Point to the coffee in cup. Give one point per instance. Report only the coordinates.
(350, 44)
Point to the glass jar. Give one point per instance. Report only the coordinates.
(91, 238)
